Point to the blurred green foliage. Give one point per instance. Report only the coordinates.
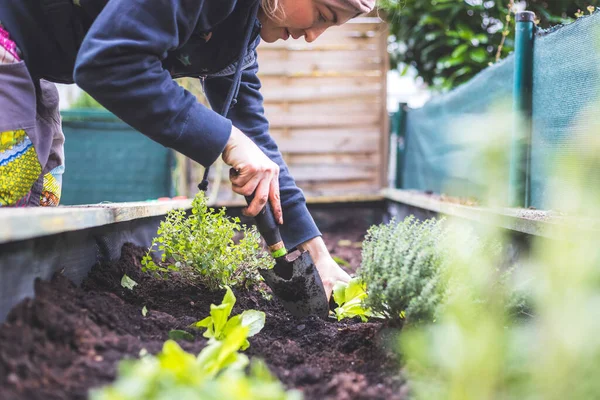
(219, 372)
(449, 41)
(480, 350)
(84, 100)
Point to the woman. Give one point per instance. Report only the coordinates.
(125, 54)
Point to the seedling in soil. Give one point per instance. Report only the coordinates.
(203, 243)
(144, 311)
(218, 372)
(350, 298)
(219, 327)
(177, 334)
(127, 282)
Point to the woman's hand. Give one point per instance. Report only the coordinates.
(329, 271)
(252, 172)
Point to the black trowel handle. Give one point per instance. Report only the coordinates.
(265, 220)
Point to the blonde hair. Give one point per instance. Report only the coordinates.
(270, 7)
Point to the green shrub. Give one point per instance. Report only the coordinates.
(402, 268)
(450, 41)
(204, 242)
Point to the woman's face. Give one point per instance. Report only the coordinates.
(297, 18)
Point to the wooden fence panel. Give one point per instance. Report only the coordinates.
(326, 104)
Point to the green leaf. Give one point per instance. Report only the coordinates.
(219, 326)
(460, 50)
(144, 311)
(478, 55)
(127, 282)
(254, 320)
(350, 299)
(177, 334)
(174, 358)
(221, 354)
(355, 290)
(339, 292)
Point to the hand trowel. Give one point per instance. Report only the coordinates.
(294, 280)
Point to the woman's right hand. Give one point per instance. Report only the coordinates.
(253, 172)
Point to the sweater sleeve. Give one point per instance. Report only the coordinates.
(249, 117)
(120, 65)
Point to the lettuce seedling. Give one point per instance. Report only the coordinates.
(350, 299)
(219, 326)
(222, 354)
(127, 282)
(218, 373)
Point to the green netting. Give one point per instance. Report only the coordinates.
(106, 160)
(566, 89)
(437, 156)
(565, 94)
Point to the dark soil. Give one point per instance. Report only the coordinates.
(70, 339)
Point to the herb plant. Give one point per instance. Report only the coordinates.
(219, 326)
(204, 242)
(402, 268)
(350, 298)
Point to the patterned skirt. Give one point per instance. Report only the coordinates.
(31, 138)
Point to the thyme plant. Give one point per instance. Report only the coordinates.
(403, 270)
(204, 242)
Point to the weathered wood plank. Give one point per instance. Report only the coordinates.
(532, 222)
(239, 201)
(365, 159)
(374, 73)
(26, 223)
(322, 172)
(322, 121)
(309, 62)
(321, 94)
(338, 141)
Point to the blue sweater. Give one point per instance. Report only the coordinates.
(125, 54)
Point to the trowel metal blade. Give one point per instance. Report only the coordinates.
(297, 284)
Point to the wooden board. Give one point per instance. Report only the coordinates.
(326, 105)
(26, 223)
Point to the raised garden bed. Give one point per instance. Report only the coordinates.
(70, 339)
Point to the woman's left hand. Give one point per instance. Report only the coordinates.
(329, 271)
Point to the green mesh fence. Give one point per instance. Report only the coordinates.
(437, 157)
(106, 160)
(566, 87)
(565, 92)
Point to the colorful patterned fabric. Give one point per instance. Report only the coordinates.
(19, 168)
(8, 48)
(52, 187)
